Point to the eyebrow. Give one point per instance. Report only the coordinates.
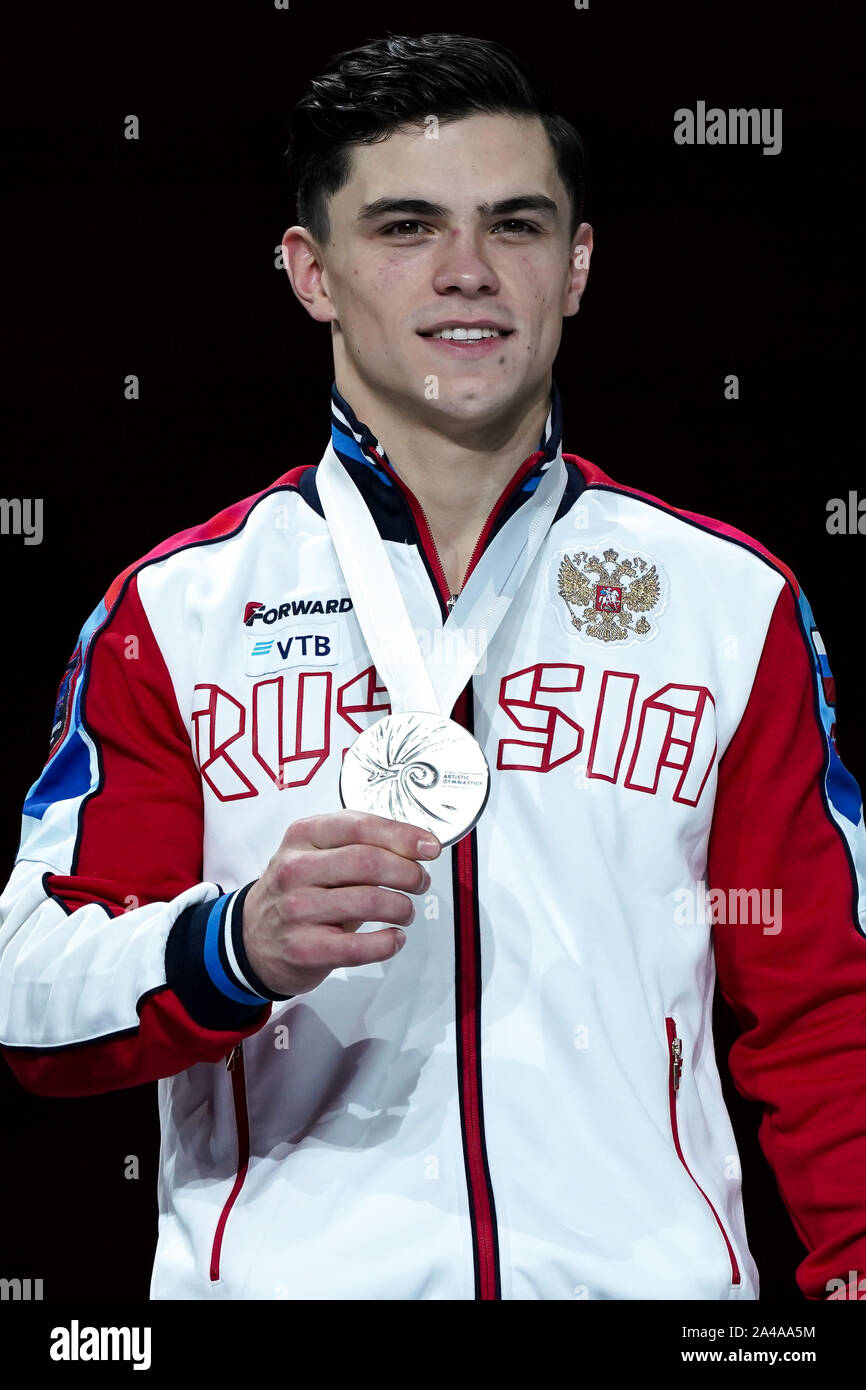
(420, 207)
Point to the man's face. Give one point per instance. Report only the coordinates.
(392, 274)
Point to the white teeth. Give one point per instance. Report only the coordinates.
(466, 334)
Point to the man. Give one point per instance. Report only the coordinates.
(388, 1068)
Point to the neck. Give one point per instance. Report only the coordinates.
(457, 478)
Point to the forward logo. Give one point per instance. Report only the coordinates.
(256, 612)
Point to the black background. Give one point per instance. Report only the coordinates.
(156, 257)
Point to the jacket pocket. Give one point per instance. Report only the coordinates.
(675, 1069)
(235, 1068)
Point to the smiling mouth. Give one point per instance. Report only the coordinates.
(468, 335)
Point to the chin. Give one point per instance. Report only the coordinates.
(467, 385)
(469, 400)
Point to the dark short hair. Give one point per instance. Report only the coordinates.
(365, 94)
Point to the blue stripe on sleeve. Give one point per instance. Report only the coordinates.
(212, 961)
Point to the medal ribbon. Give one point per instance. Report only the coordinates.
(479, 610)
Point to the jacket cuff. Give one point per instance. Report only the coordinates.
(217, 989)
(242, 972)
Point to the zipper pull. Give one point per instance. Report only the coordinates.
(677, 1055)
(450, 601)
(233, 1057)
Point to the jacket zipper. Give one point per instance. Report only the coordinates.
(469, 1060)
(468, 1021)
(426, 534)
(429, 544)
(675, 1071)
(481, 1206)
(235, 1068)
(450, 599)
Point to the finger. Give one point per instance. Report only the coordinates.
(327, 948)
(361, 903)
(372, 946)
(363, 948)
(339, 828)
(352, 865)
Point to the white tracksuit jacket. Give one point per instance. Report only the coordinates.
(524, 1103)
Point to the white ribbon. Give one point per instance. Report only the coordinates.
(479, 610)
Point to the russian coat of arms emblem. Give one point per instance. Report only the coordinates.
(610, 596)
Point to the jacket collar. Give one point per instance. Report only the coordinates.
(355, 443)
(397, 512)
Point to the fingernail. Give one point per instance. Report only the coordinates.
(401, 940)
(427, 849)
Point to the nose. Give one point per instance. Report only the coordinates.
(462, 264)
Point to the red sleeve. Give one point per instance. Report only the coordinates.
(112, 827)
(788, 819)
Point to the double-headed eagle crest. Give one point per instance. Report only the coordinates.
(596, 585)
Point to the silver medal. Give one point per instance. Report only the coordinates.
(423, 769)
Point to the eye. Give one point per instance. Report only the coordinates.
(386, 231)
(517, 224)
(524, 226)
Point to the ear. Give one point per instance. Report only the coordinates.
(581, 253)
(304, 265)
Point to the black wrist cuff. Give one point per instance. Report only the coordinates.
(237, 929)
